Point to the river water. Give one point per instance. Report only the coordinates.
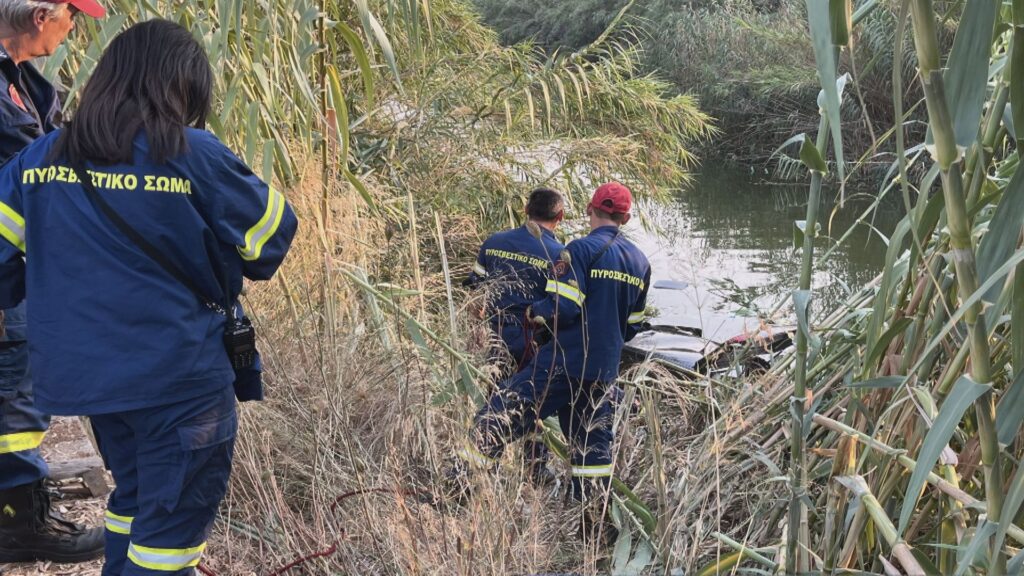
(726, 247)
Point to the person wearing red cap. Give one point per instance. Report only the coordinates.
(30, 528)
(595, 303)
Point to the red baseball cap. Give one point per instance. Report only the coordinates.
(613, 198)
(87, 7)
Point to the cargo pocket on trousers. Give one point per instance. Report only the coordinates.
(207, 449)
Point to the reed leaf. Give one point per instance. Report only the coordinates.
(965, 392)
(966, 77)
(1004, 232)
(821, 38)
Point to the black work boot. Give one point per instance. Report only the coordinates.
(31, 530)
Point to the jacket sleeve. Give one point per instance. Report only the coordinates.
(479, 272)
(12, 237)
(566, 290)
(634, 323)
(250, 215)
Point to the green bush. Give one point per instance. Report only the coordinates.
(749, 62)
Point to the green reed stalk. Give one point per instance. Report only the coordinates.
(962, 250)
(797, 540)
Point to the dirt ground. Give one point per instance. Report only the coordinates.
(67, 441)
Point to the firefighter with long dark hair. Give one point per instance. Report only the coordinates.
(137, 228)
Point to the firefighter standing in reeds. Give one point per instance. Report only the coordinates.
(594, 303)
(138, 227)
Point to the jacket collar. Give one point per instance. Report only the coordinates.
(610, 229)
(543, 230)
(5, 58)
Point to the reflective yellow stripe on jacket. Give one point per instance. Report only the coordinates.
(636, 317)
(165, 559)
(257, 236)
(566, 291)
(12, 226)
(20, 441)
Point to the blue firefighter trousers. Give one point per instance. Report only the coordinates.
(21, 425)
(171, 465)
(541, 389)
(520, 345)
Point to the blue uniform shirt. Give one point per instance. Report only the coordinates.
(596, 303)
(519, 265)
(28, 106)
(112, 331)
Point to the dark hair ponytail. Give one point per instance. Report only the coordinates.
(153, 77)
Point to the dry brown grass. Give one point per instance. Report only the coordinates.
(347, 414)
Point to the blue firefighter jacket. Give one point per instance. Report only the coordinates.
(519, 266)
(109, 329)
(595, 304)
(28, 106)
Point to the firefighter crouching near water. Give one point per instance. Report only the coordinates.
(515, 266)
(30, 528)
(593, 305)
(137, 337)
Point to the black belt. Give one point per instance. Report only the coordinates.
(8, 344)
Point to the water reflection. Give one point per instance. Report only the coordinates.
(731, 239)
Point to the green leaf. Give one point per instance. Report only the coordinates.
(840, 14)
(802, 305)
(890, 278)
(1003, 233)
(1017, 320)
(371, 26)
(811, 158)
(1014, 499)
(960, 398)
(1017, 66)
(966, 77)
(965, 305)
(974, 551)
(883, 342)
(926, 563)
(362, 59)
(361, 189)
(1010, 411)
(341, 121)
(824, 55)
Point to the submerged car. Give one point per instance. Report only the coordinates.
(710, 344)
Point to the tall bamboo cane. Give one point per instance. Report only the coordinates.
(950, 163)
